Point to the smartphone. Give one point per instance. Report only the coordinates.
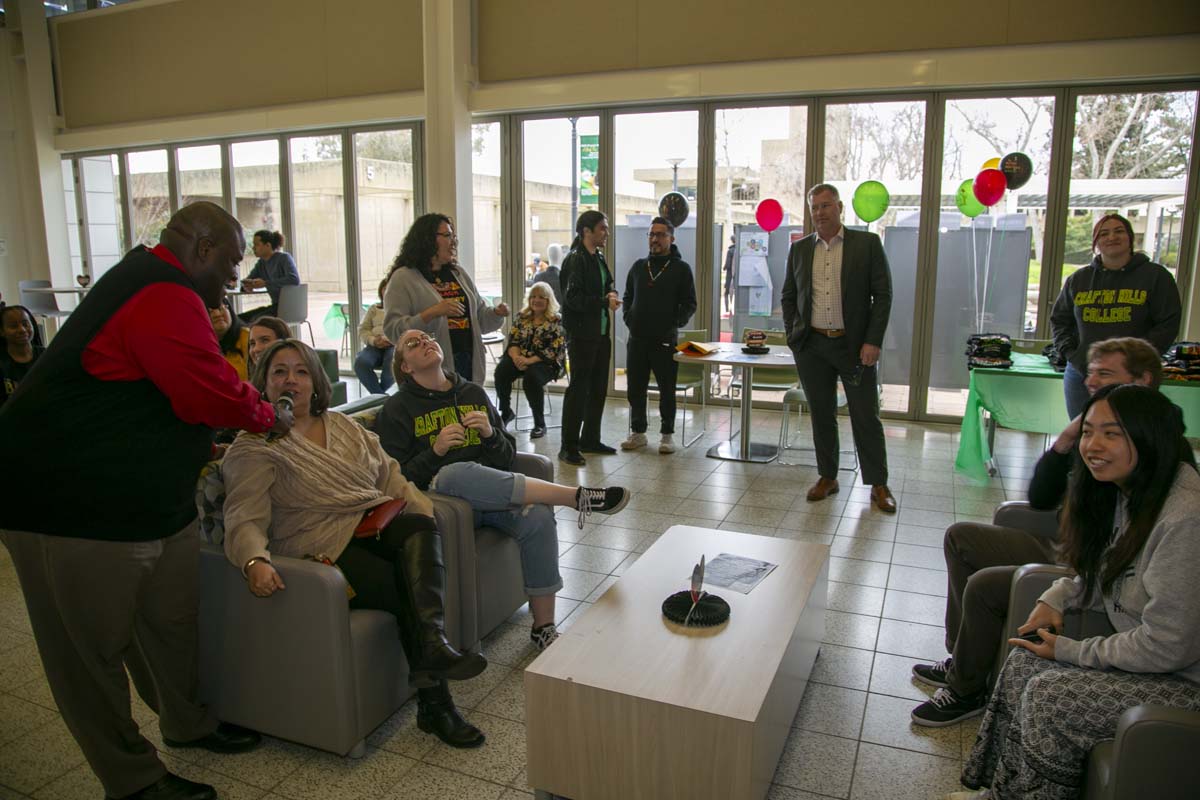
(1033, 636)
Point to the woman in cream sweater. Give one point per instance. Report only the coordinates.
(304, 494)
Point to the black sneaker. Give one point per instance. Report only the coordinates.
(507, 416)
(537, 432)
(572, 457)
(947, 708)
(597, 447)
(600, 501)
(933, 674)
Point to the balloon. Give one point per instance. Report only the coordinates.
(871, 199)
(989, 186)
(991, 163)
(674, 206)
(964, 198)
(1017, 169)
(769, 214)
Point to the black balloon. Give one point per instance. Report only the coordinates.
(674, 207)
(1017, 169)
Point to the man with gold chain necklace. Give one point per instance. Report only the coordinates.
(660, 298)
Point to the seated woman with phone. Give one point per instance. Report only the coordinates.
(1131, 531)
(327, 491)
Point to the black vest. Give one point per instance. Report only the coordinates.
(99, 459)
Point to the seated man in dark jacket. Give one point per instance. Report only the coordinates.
(448, 437)
(981, 559)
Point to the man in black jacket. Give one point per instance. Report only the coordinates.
(981, 559)
(837, 296)
(660, 297)
(588, 303)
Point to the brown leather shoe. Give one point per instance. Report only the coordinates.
(822, 489)
(881, 498)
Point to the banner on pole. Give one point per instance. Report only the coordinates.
(589, 163)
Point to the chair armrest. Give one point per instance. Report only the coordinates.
(1154, 753)
(534, 465)
(1018, 514)
(1028, 584)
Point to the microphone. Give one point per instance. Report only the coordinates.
(284, 403)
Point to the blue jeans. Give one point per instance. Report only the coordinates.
(374, 358)
(498, 500)
(1075, 392)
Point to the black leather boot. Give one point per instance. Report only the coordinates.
(425, 575)
(436, 714)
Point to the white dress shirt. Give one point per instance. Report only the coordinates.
(827, 282)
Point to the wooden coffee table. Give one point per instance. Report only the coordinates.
(628, 705)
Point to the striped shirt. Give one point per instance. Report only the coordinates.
(827, 282)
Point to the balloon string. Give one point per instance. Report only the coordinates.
(987, 268)
(975, 278)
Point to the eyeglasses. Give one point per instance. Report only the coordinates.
(658, 235)
(449, 236)
(417, 341)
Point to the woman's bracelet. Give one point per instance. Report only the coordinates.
(250, 563)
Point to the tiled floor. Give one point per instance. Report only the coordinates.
(851, 739)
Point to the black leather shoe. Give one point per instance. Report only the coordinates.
(441, 660)
(226, 738)
(571, 457)
(173, 787)
(597, 447)
(537, 432)
(444, 722)
(507, 416)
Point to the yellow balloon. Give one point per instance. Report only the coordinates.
(991, 163)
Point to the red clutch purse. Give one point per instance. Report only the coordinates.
(378, 518)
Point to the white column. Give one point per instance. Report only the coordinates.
(33, 219)
(449, 73)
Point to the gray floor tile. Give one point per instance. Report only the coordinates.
(916, 579)
(850, 630)
(326, 776)
(578, 584)
(913, 555)
(886, 773)
(927, 609)
(831, 709)
(862, 549)
(892, 675)
(430, 782)
(816, 762)
(887, 722)
(848, 667)
(39, 757)
(926, 642)
(592, 559)
(855, 599)
(863, 573)
(500, 759)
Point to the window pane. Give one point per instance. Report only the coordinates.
(1130, 156)
(560, 155)
(256, 199)
(200, 174)
(68, 177)
(486, 174)
(760, 154)
(148, 195)
(320, 233)
(884, 142)
(102, 193)
(989, 264)
(655, 154)
(385, 205)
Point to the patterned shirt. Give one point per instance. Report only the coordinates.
(827, 283)
(544, 340)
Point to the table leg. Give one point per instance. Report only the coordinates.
(746, 450)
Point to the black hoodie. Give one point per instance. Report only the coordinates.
(411, 419)
(656, 309)
(1140, 299)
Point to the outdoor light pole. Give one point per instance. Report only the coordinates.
(675, 162)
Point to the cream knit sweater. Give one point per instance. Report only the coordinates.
(294, 498)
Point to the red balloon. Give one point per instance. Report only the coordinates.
(769, 215)
(989, 186)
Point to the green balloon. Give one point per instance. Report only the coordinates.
(871, 199)
(966, 201)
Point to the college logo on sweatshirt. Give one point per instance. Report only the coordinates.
(1109, 297)
(430, 425)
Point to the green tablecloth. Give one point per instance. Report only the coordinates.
(1029, 397)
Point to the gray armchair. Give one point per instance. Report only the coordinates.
(1154, 751)
(302, 666)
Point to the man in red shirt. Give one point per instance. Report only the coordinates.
(117, 420)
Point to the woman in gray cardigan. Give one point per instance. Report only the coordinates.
(428, 290)
(1129, 529)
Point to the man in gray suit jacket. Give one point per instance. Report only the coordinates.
(837, 295)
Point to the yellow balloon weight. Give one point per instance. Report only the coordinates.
(991, 163)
